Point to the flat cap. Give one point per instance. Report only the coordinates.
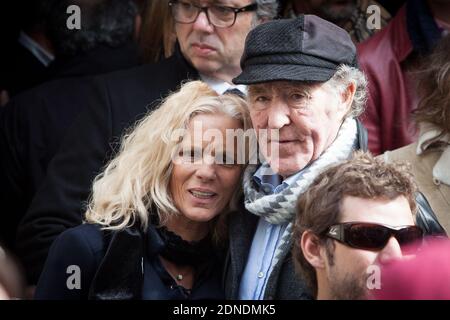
(306, 48)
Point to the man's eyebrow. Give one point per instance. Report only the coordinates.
(221, 3)
(257, 89)
(264, 89)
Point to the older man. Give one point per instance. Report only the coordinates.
(210, 43)
(366, 220)
(304, 84)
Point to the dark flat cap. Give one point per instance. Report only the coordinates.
(306, 48)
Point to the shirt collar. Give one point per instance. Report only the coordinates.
(221, 86)
(271, 182)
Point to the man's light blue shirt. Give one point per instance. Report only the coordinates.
(266, 239)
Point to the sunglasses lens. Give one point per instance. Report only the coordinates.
(409, 239)
(368, 236)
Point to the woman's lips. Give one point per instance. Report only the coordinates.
(202, 195)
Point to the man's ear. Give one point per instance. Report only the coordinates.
(264, 20)
(311, 247)
(347, 97)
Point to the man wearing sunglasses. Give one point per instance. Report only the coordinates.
(355, 217)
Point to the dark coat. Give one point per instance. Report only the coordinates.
(118, 265)
(20, 69)
(33, 124)
(283, 283)
(118, 100)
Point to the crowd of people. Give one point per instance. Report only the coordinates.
(227, 149)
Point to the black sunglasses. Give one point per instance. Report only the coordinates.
(372, 236)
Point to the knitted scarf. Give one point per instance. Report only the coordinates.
(279, 208)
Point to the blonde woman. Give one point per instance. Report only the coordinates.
(156, 220)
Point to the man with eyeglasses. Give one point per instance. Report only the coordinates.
(210, 41)
(355, 217)
(211, 35)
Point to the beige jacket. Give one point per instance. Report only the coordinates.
(436, 192)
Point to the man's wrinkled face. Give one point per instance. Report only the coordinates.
(214, 51)
(307, 118)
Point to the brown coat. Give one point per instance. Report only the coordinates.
(436, 192)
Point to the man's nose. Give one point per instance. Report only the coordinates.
(202, 23)
(279, 115)
(391, 251)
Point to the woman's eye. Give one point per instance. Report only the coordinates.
(190, 155)
(229, 160)
(223, 159)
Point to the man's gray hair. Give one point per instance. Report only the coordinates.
(340, 81)
(267, 9)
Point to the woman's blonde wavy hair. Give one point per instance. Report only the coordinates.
(135, 183)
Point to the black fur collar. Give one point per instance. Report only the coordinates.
(120, 275)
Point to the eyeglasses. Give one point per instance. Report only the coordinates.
(371, 236)
(218, 16)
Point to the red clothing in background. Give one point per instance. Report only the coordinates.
(388, 112)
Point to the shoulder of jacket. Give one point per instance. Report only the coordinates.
(90, 235)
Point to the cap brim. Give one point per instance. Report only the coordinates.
(254, 74)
